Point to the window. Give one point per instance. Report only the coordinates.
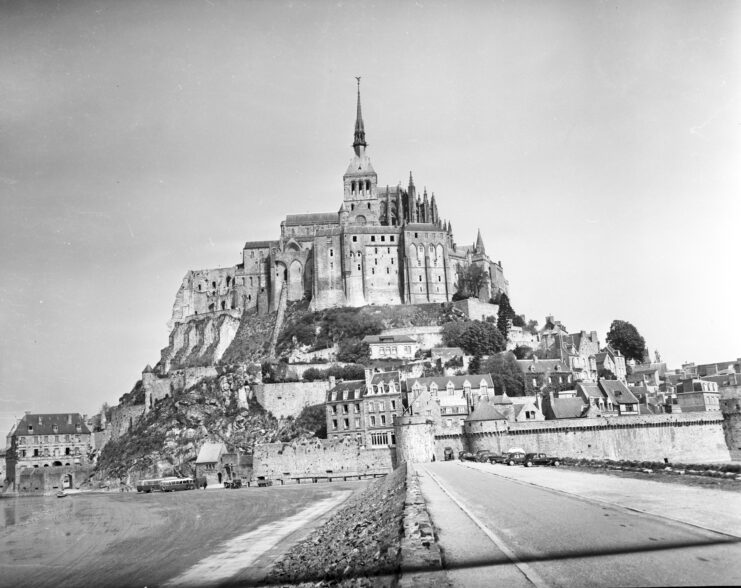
(373, 237)
(383, 237)
(388, 270)
(333, 408)
(357, 423)
(55, 428)
(369, 206)
(383, 419)
(331, 252)
(381, 406)
(344, 409)
(358, 267)
(371, 407)
(344, 394)
(346, 423)
(373, 421)
(393, 405)
(379, 439)
(354, 238)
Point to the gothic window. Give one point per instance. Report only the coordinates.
(228, 281)
(223, 305)
(331, 252)
(367, 187)
(352, 187)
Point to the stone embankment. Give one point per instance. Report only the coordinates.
(359, 546)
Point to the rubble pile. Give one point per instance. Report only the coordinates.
(359, 546)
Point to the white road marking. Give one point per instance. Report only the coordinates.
(243, 551)
(526, 569)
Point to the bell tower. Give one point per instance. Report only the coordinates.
(360, 179)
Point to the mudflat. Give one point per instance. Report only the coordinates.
(129, 539)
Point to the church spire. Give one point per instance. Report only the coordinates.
(359, 128)
(479, 248)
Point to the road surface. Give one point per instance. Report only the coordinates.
(498, 531)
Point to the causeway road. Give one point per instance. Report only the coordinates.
(514, 526)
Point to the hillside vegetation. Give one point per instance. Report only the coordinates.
(166, 440)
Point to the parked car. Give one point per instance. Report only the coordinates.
(498, 457)
(483, 455)
(449, 455)
(513, 458)
(466, 456)
(532, 459)
(236, 483)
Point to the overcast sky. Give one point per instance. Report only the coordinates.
(596, 145)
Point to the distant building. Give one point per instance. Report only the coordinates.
(698, 395)
(541, 373)
(391, 346)
(619, 396)
(47, 441)
(612, 360)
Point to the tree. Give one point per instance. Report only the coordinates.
(523, 352)
(482, 339)
(453, 333)
(471, 279)
(506, 374)
(626, 339)
(605, 374)
(519, 321)
(505, 315)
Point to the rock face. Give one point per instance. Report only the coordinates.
(359, 546)
(199, 342)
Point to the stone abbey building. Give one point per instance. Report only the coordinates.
(385, 245)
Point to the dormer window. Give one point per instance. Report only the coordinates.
(55, 428)
(30, 428)
(78, 428)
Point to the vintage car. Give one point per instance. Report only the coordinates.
(483, 455)
(532, 459)
(498, 457)
(466, 456)
(513, 458)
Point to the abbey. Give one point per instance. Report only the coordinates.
(385, 245)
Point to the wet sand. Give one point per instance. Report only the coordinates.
(129, 539)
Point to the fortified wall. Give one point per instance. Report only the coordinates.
(683, 437)
(730, 404)
(290, 398)
(123, 418)
(319, 457)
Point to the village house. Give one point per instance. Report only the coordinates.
(563, 408)
(525, 409)
(542, 373)
(365, 409)
(48, 441)
(698, 395)
(391, 346)
(613, 361)
(619, 396)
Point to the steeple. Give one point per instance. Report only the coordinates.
(359, 140)
(479, 247)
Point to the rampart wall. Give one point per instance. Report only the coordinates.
(689, 437)
(47, 481)
(123, 418)
(475, 309)
(318, 458)
(290, 398)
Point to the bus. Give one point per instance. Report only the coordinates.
(153, 485)
(177, 484)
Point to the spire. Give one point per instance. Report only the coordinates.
(411, 180)
(480, 243)
(359, 129)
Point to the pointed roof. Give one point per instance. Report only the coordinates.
(479, 243)
(359, 128)
(411, 180)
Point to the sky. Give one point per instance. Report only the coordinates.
(595, 144)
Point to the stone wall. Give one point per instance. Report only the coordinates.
(457, 442)
(200, 341)
(280, 461)
(290, 398)
(48, 481)
(190, 376)
(123, 418)
(694, 437)
(296, 370)
(475, 309)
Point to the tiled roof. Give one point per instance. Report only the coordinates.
(260, 244)
(210, 452)
(486, 412)
(314, 218)
(617, 392)
(458, 381)
(387, 377)
(590, 390)
(43, 424)
(355, 389)
(567, 408)
(423, 227)
(500, 399)
(388, 339)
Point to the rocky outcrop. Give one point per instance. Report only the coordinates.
(199, 342)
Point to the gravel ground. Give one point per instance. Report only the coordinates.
(358, 546)
(729, 485)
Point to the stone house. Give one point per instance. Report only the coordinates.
(209, 464)
(391, 346)
(364, 409)
(526, 409)
(619, 397)
(698, 395)
(612, 360)
(564, 408)
(542, 373)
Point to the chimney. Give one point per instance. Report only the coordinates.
(332, 382)
(69, 419)
(368, 376)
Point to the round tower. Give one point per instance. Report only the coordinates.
(415, 438)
